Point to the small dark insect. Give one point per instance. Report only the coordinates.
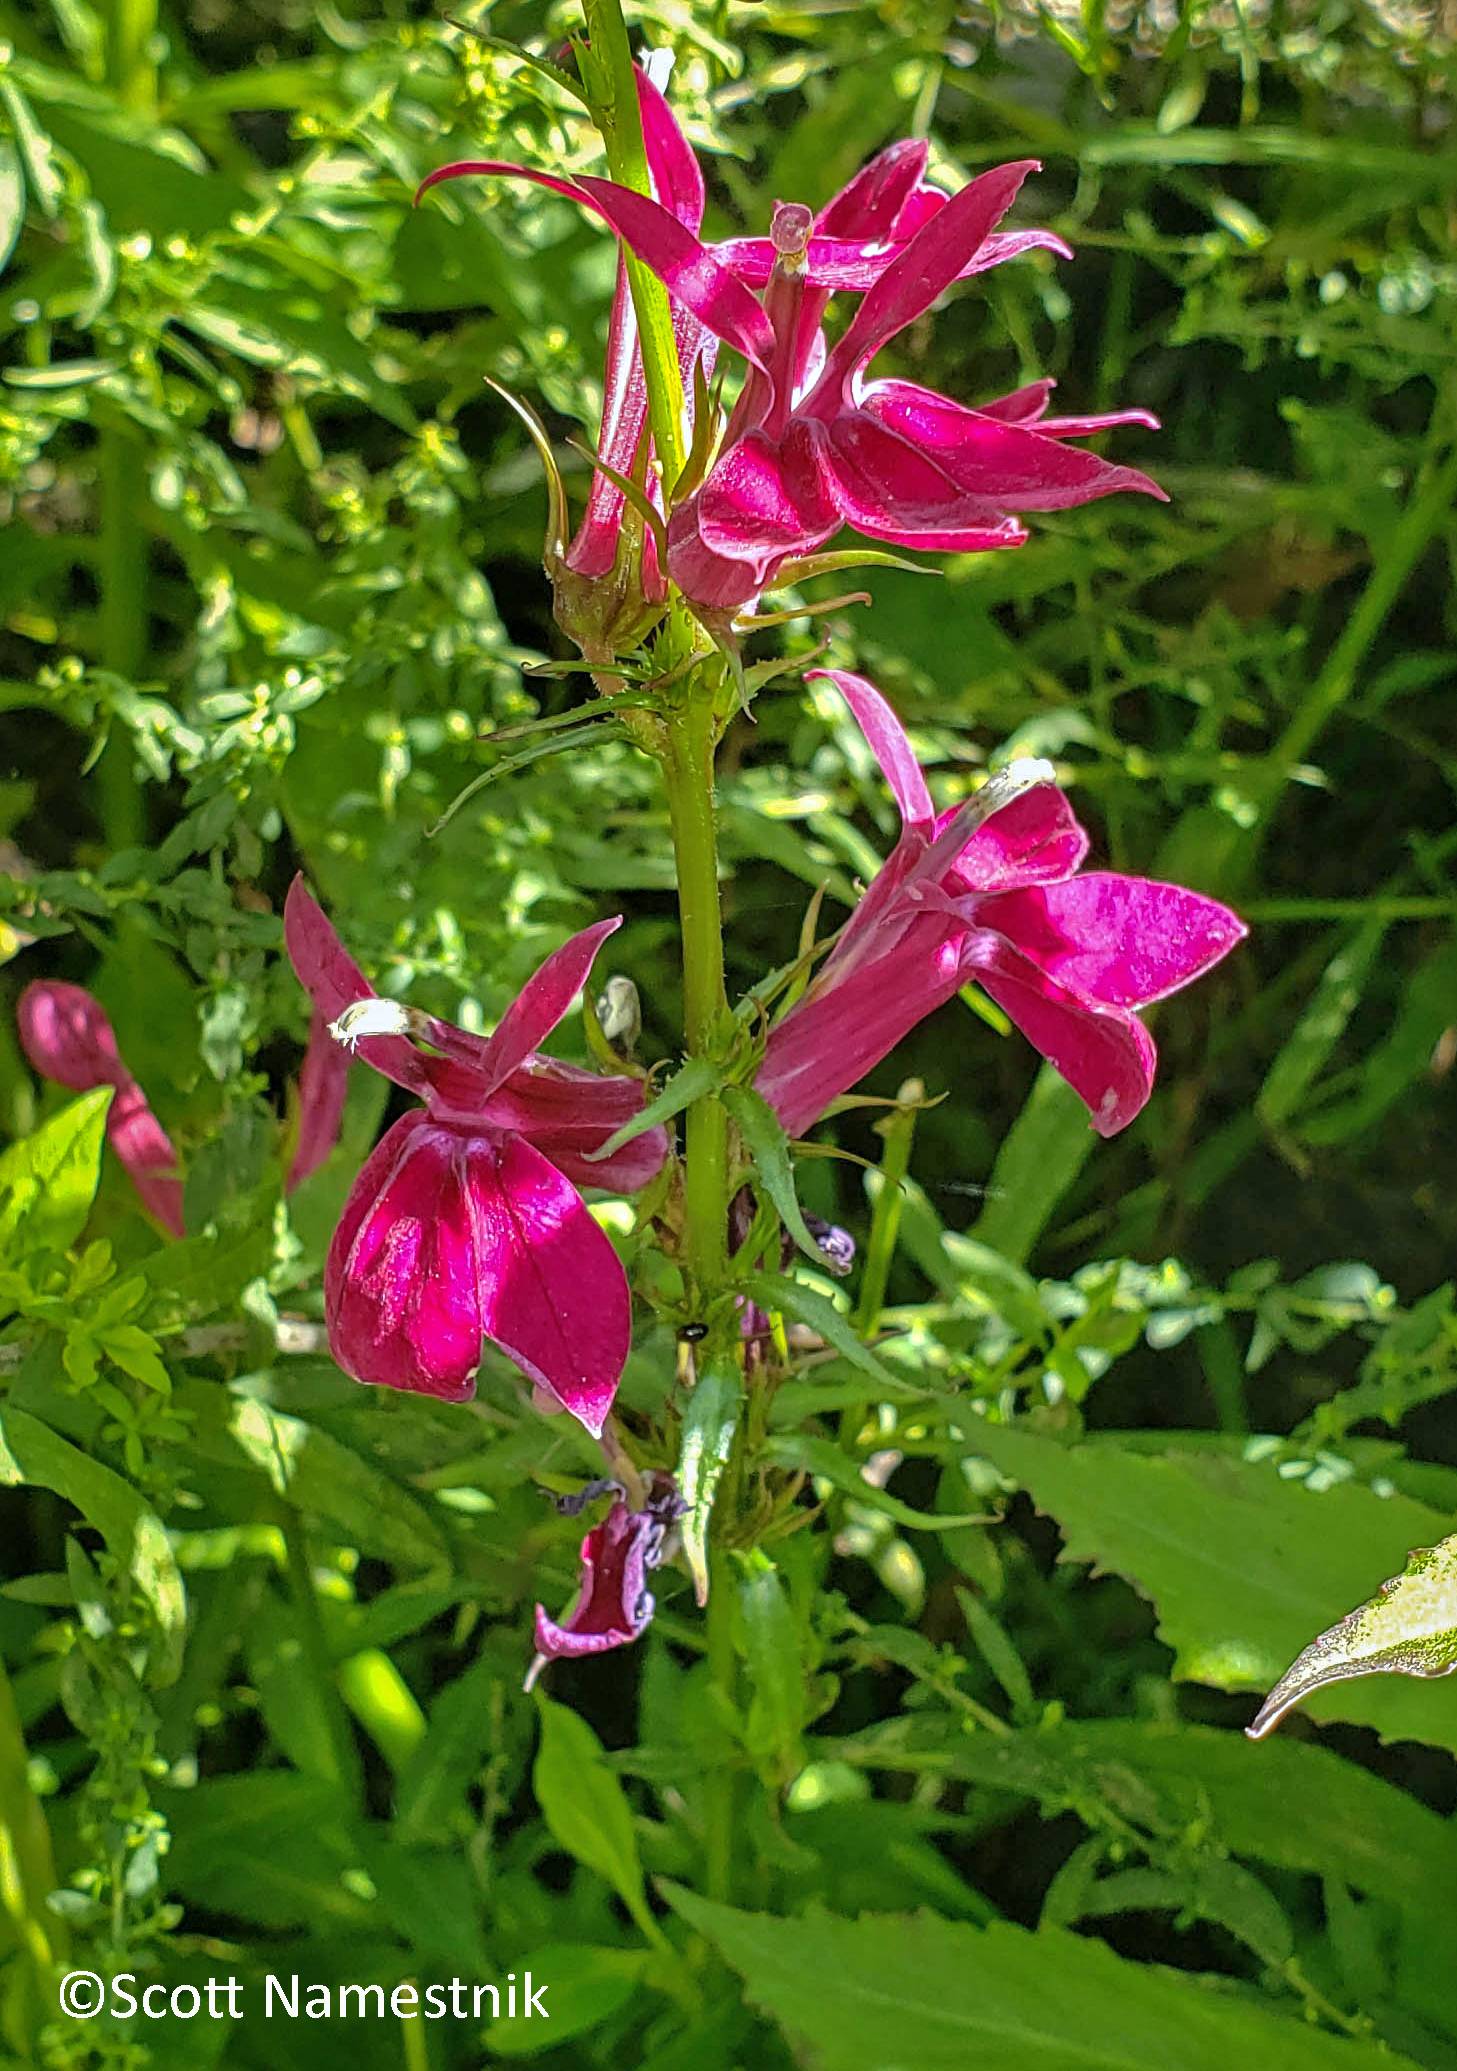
(692, 1333)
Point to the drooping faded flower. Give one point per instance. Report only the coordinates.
(993, 891)
(465, 1225)
(614, 1605)
(68, 1039)
(812, 444)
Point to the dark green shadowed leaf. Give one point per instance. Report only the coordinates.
(914, 1991)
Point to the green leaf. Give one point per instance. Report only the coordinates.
(198, 1276)
(35, 149)
(584, 1804)
(272, 1846)
(818, 1456)
(460, 1735)
(768, 1146)
(48, 1181)
(1408, 1628)
(1041, 1155)
(1321, 1026)
(709, 1422)
(586, 1985)
(895, 1990)
(34, 1455)
(1240, 1562)
(818, 1312)
(1293, 1805)
(769, 1641)
(318, 1474)
(12, 201)
(692, 1079)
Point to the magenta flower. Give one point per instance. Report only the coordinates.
(992, 891)
(322, 1083)
(812, 444)
(464, 1224)
(613, 1606)
(67, 1037)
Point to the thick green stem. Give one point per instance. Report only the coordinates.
(612, 85)
(131, 32)
(688, 772)
(718, 1799)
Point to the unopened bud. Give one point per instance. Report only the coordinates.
(619, 1015)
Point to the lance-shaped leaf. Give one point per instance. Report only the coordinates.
(768, 1146)
(699, 1075)
(709, 1424)
(1408, 1628)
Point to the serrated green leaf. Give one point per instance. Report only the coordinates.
(895, 1990)
(1240, 1562)
(1408, 1628)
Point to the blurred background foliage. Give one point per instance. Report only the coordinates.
(269, 582)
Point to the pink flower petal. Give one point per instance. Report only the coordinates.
(553, 1292)
(322, 1084)
(677, 178)
(1106, 1056)
(402, 1292)
(449, 1238)
(613, 1606)
(1034, 840)
(541, 1003)
(687, 269)
(145, 1152)
(1122, 941)
(888, 743)
(871, 204)
(1001, 465)
(1023, 405)
(65, 1033)
(68, 1039)
(764, 498)
(885, 483)
(567, 1113)
(624, 417)
(852, 1017)
(927, 266)
(333, 981)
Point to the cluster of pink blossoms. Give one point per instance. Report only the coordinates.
(811, 444)
(466, 1226)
